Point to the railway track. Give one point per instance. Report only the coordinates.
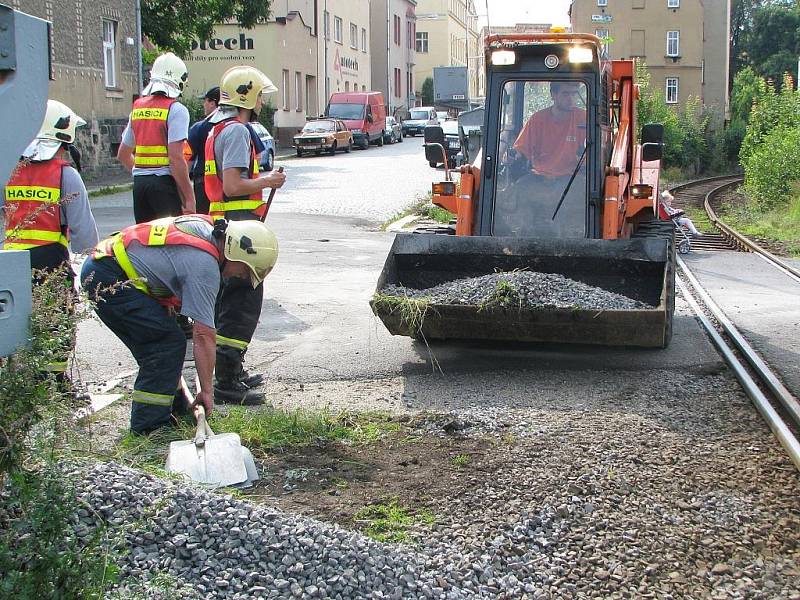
(776, 404)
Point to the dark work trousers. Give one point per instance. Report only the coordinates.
(149, 332)
(155, 196)
(201, 200)
(237, 312)
(53, 260)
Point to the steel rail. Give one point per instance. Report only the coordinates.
(743, 240)
(751, 388)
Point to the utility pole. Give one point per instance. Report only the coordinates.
(326, 25)
(140, 70)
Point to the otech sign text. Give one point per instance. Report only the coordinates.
(232, 43)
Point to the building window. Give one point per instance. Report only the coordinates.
(298, 91)
(673, 43)
(422, 41)
(363, 88)
(363, 40)
(672, 90)
(354, 36)
(326, 24)
(346, 86)
(637, 4)
(311, 95)
(110, 52)
(601, 33)
(337, 29)
(602, 2)
(397, 83)
(673, 3)
(396, 21)
(285, 89)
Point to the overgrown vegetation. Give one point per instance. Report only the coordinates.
(40, 554)
(504, 295)
(390, 522)
(411, 311)
(423, 207)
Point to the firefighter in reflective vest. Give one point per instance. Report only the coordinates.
(47, 207)
(152, 144)
(234, 189)
(145, 272)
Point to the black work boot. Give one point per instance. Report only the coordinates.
(232, 391)
(254, 380)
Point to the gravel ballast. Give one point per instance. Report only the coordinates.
(522, 289)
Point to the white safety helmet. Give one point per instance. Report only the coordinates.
(58, 127)
(241, 86)
(168, 75)
(254, 244)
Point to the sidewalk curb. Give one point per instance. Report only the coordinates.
(400, 224)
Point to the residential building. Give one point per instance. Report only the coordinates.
(684, 43)
(94, 70)
(393, 35)
(447, 35)
(284, 48)
(344, 47)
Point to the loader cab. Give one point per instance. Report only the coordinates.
(543, 147)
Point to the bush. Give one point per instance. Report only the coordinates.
(195, 107)
(772, 168)
(771, 110)
(267, 117)
(40, 554)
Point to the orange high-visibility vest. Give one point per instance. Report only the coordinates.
(149, 123)
(219, 203)
(33, 209)
(161, 232)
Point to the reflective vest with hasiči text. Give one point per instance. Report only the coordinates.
(33, 209)
(161, 232)
(219, 203)
(149, 123)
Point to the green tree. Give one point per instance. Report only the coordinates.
(772, 110)
(746, 88)
(427, 92)
(175, 24)
(741, 26)
(773, 43)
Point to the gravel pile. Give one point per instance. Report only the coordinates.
(524, 289)
(216, 546)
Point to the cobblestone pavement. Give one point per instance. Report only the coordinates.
(373, 184)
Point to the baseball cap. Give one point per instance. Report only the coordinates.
(212, 94)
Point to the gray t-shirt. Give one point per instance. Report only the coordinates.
(75, 212)
(232, 149)
(177, 130)
(189, 273)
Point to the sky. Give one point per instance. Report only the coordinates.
(510, 12)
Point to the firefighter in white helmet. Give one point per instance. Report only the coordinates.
(152, 144)
(235, 191)
(47, 207)
(147, 271)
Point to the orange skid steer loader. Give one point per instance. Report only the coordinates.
(561, 185)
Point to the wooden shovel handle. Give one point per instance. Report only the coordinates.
(269, 200)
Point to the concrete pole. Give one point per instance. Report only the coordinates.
(326, 85)
(140, 68)
(389, 74)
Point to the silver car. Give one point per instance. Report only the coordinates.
(392, 133)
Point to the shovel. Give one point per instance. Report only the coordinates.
(217, 460)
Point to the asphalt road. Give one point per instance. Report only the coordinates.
(317, 325)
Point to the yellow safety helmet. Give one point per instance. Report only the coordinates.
(254, 244)
(241, 86)
(168, 75)
(58, 127)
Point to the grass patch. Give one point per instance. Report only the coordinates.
(460, 460)
(780, 224)
(110, 189)
(504, 295)
(390, 522)
(423, 207)
(272, 429)
(412, 311)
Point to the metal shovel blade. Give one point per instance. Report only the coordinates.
(217, 463)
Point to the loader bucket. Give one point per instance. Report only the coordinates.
(642, 269)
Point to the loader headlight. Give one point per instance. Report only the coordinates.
(503, 58)
(641, 190)
(580, 54)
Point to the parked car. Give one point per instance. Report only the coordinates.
(267, 159)
(447, 136)
(420, 118)
(364, 113)
(320, 135)
(442, 116)
(393, 132)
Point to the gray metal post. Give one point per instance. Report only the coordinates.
(140, 68)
